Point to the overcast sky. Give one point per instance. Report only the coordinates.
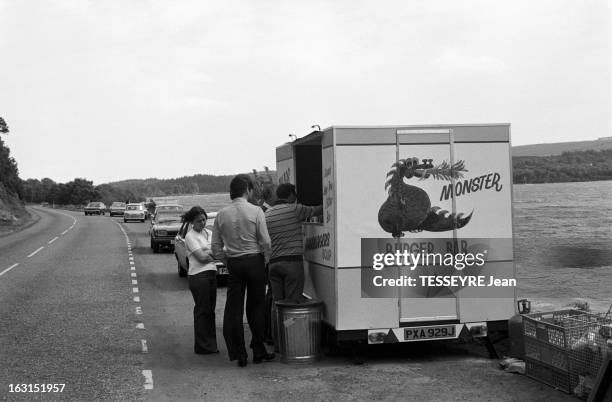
(112, 90)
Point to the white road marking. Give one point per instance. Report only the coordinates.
(8, 269)
(52, 240)
(64, 232)
(34, 252)
(134, 282)
(148, 375)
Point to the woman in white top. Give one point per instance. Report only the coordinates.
(202, 281)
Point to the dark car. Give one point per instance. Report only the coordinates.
(117, 208)
(181, 253)
(95, 208)
(164, 228)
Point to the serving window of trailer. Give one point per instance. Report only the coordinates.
(308, 169)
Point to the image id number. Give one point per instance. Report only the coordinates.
(36, 387)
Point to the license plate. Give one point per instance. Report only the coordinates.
(434, 332)
(172, 242)
(222, 271)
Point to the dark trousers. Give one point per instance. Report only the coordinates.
(268, 307)
(203, 288)
(287, 280)
(245, 273)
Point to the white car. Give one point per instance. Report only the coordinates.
(134, 212)
(181, 254)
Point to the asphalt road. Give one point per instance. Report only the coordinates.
(66, 316)
(75, 312)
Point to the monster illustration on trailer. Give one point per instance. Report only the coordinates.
(408, 207)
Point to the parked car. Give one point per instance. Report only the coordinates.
(134, 212)
(95, 208)
(164, 229)
(117, 208)
(181, 253)
(177, 208)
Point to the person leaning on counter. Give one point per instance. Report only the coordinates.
(284, 221)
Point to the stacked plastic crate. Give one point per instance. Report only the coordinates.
(546, 357)
(590, 338)
(565, 348)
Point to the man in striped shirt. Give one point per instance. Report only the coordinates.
(284, 222)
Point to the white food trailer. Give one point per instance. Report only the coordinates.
(390, 193)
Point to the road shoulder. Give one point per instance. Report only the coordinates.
(33, 217)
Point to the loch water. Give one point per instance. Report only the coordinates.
(562, 241)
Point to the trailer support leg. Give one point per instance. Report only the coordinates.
(491, 348)
(356, 355)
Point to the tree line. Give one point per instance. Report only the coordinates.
(9, 173)
(77, 192)
(200, 183)
(570, 166)
(80, 191)
(567, 167)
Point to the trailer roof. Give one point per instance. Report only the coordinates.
(417, 126)
(314, 138)
(386, 134)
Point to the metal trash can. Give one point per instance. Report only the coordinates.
(299, 330)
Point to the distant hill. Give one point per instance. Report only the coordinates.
(153, 187)
(557, 148)
(567, 167)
